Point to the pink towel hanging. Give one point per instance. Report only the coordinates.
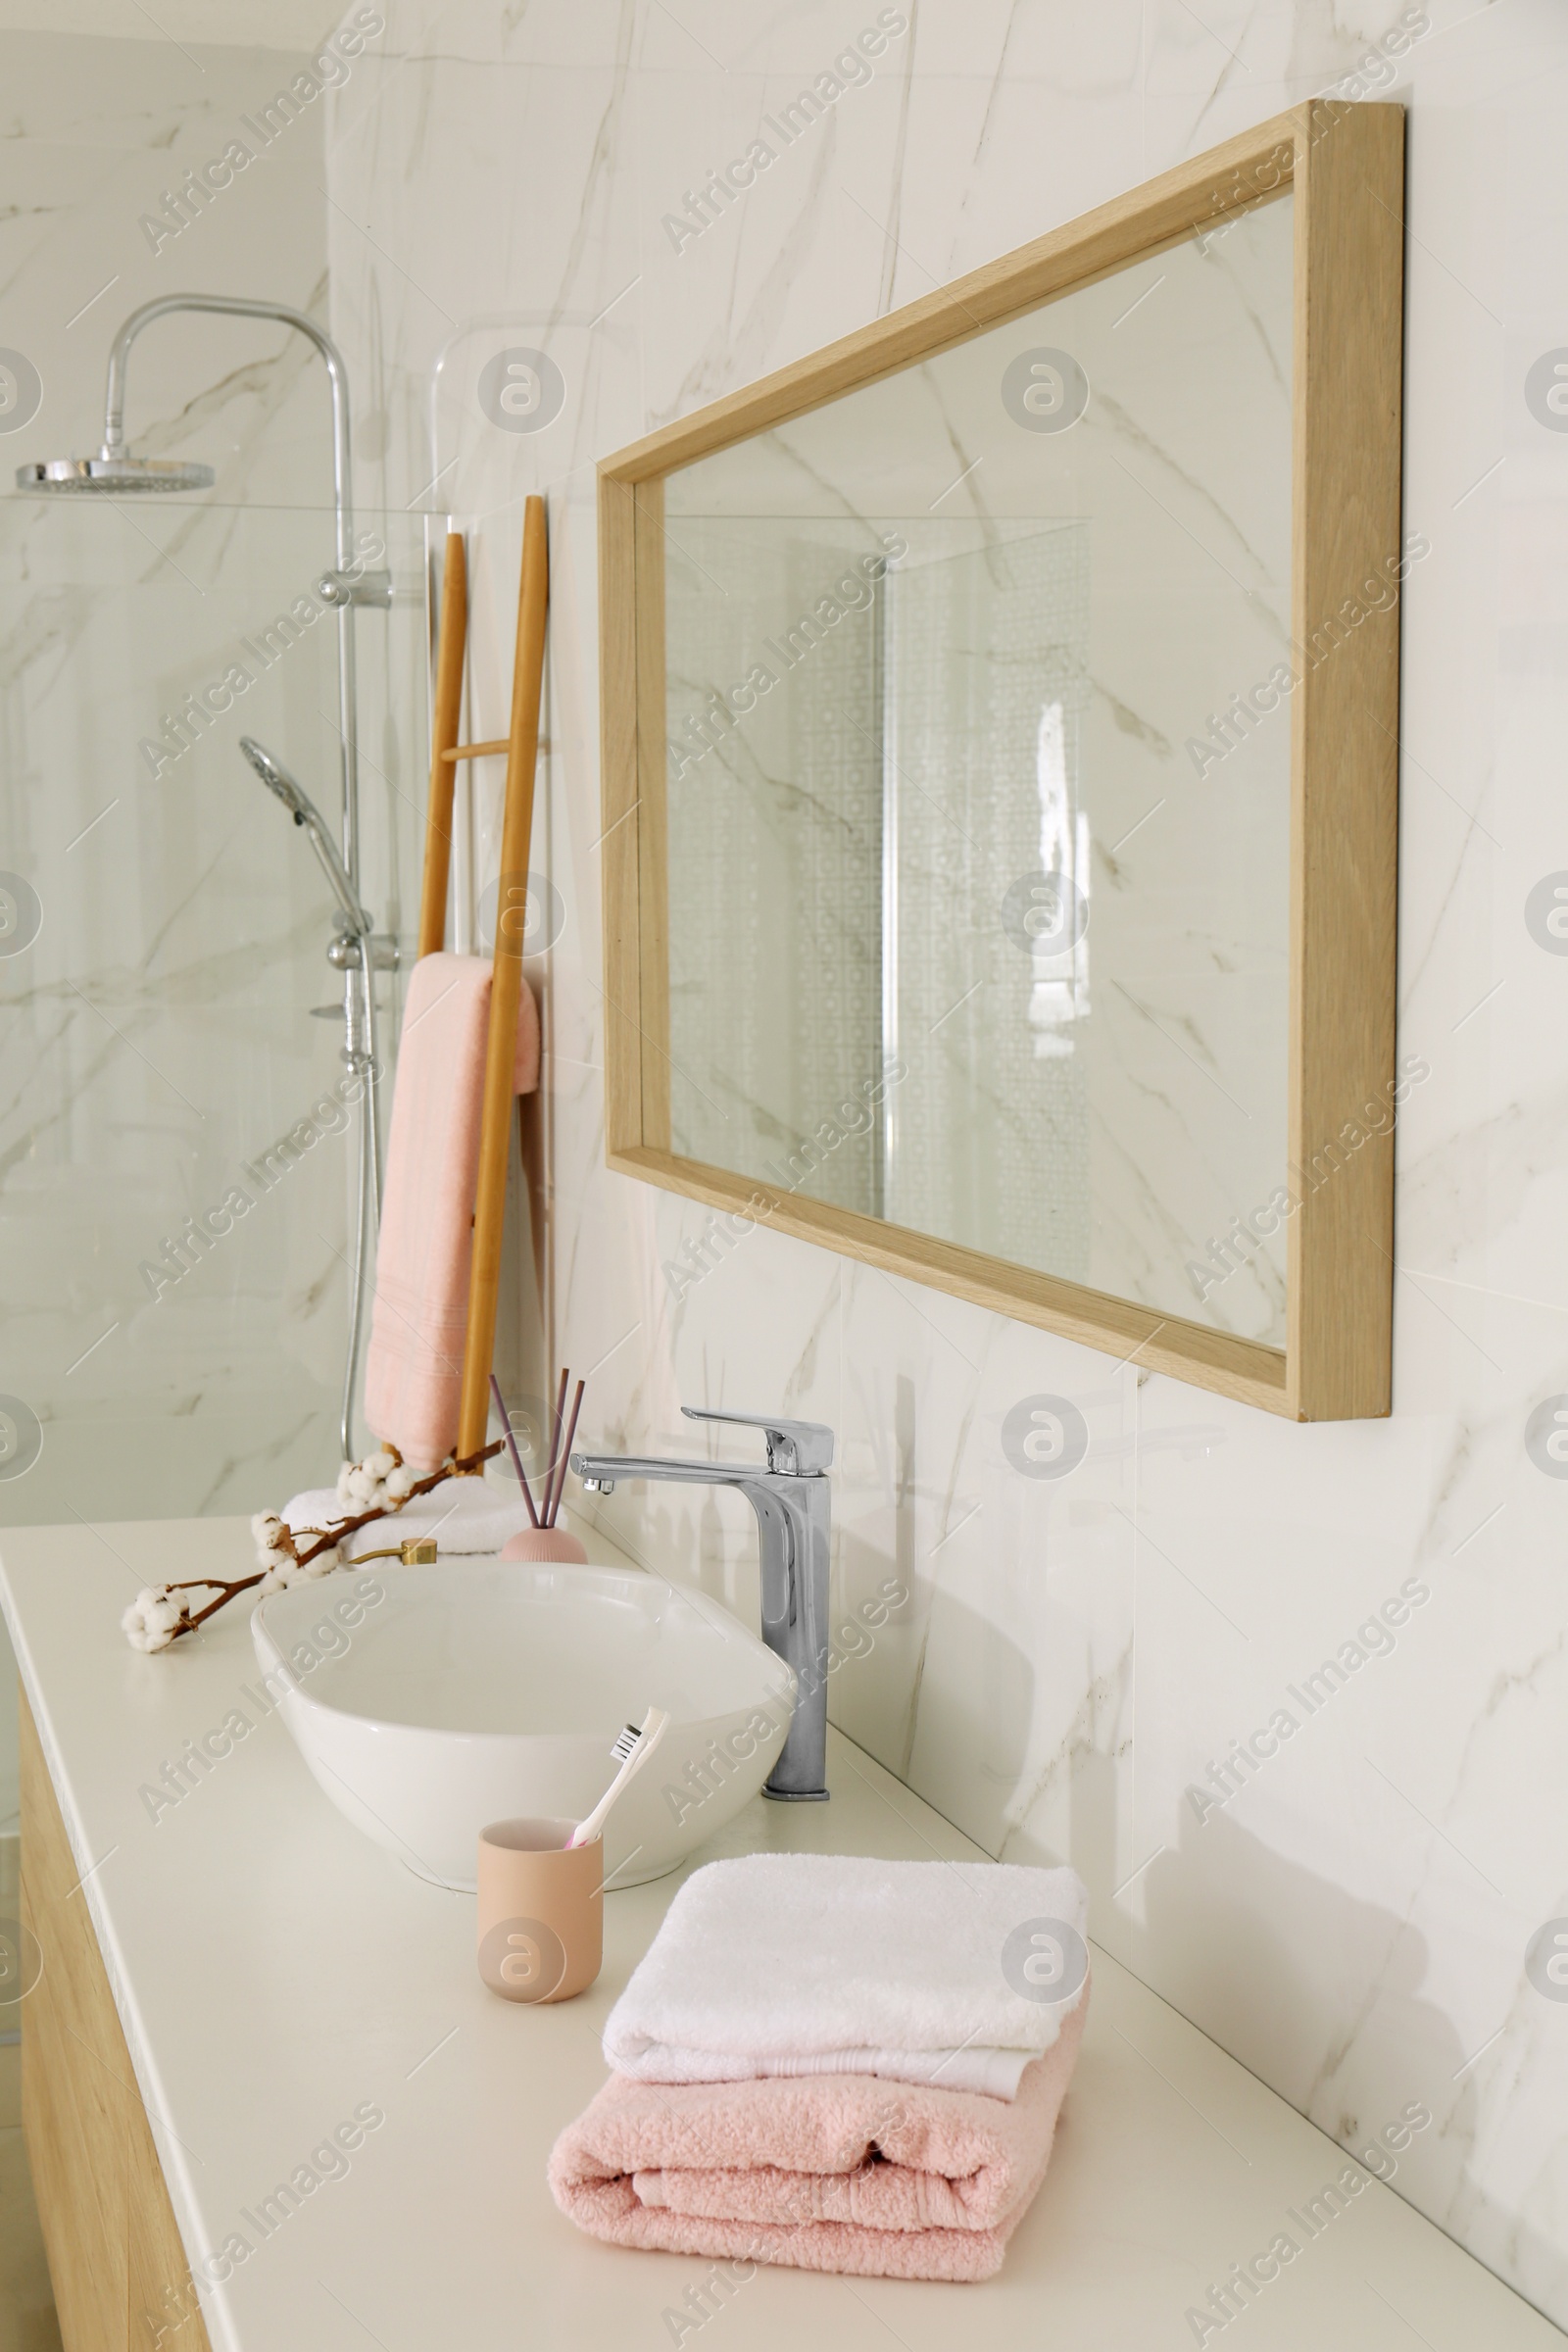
(414, 1366)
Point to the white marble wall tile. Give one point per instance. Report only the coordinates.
(1074, 1654)
(1356, 1914)
(787, 1296)
(157, 1033)
(1003, 1690)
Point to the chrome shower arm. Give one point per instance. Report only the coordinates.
(234, 306)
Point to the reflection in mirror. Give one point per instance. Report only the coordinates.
(979, 721)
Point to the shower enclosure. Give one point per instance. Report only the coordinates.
(189, 1193)
(357, 578)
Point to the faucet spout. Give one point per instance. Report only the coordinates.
(791, 1498)
(601, 1473)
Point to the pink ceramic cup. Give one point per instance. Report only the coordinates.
(541, 1910)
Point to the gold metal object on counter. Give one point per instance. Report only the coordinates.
(414, 1551)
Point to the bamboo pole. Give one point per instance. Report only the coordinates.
(506, 986)
(444, 722)
(477, 751)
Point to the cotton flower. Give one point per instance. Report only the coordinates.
(274, 1540)
(371, 1485)
(282, 1567)
(324, 1563)
(150, 1621)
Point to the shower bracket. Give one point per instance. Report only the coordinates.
(341, 589)
(343, 951)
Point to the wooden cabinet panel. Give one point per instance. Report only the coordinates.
(72, 2125)
(120, 2273)
(162, 2310)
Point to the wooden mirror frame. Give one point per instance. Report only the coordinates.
(1344, 163)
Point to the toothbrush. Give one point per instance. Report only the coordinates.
(654, 1727)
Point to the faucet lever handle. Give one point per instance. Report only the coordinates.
(795, 1449)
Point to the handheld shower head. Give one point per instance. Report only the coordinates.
(277, 779)
(303, 810)
(107, 474)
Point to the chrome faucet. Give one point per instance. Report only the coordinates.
(791, 1500)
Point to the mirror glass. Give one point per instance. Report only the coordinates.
(978, 788)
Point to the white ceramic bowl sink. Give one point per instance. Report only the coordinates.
(484, 1689)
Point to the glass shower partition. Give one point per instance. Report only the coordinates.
(179, 1149)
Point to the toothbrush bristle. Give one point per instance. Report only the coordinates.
(625, 1743)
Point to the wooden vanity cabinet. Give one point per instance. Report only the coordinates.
(121, 2277)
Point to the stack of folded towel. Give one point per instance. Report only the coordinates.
(840, 2064)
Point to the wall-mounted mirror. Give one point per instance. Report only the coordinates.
(999, 726)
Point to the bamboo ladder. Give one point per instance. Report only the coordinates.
(522, 748)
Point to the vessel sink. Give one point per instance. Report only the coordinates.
(482, 1690)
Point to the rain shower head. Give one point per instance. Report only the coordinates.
(115, 472)
(303, 810)
(110, 474)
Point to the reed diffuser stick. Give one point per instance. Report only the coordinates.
(566, 1455)
(517, 1458)
(554, 1443)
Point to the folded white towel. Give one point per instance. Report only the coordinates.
(954, 1974)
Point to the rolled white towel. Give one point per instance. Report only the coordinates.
(953, 1974)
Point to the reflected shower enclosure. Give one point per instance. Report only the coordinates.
(849, 914)
(961, 936)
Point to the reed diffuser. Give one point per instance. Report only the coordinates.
(542, 1539)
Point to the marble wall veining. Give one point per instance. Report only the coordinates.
(157, 1031)
(1377, 1608)
(1078, 1658)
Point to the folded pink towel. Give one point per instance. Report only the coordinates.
(414, 1366)
(822, 2172)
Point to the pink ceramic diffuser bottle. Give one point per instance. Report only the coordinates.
(542, 1539)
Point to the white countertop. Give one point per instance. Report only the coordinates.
(275, 1971)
